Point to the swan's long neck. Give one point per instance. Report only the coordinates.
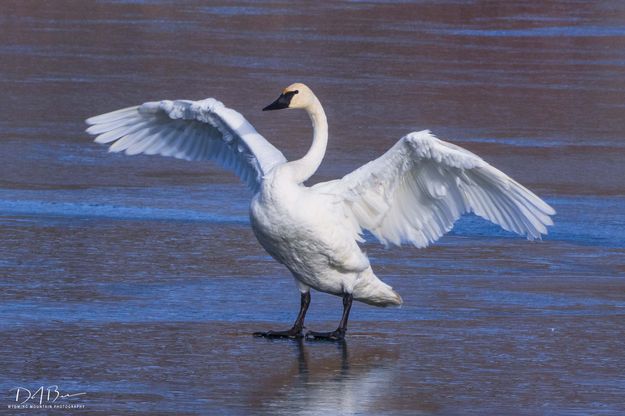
(305, 167)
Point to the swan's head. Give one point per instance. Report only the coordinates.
(294, 96)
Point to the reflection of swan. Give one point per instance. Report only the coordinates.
(413, 193)
(328, 380)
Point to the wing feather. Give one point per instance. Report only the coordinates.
(417, 190)
(191, 130)
(112, 116)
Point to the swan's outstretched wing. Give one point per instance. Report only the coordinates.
(420, 187)
(192, 130)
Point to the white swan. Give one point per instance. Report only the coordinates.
(411, 194)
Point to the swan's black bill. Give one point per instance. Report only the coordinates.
(283, 101)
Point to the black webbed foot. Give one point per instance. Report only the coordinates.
(337, 335)
(296, 331)
(292, 333)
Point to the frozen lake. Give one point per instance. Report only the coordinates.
(139, 282)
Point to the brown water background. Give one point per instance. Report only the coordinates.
(138, 281)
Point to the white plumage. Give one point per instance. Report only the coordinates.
(191, 130)
(417, 190)
(411, 194)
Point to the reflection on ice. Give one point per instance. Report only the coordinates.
(323, 378)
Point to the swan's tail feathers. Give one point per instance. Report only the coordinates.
(391, 298)
(373, 291)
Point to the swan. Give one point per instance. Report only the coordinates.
(413, 193)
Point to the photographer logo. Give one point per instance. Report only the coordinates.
(44, 397)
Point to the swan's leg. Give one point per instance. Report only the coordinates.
(339, 333)
(298, 326)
